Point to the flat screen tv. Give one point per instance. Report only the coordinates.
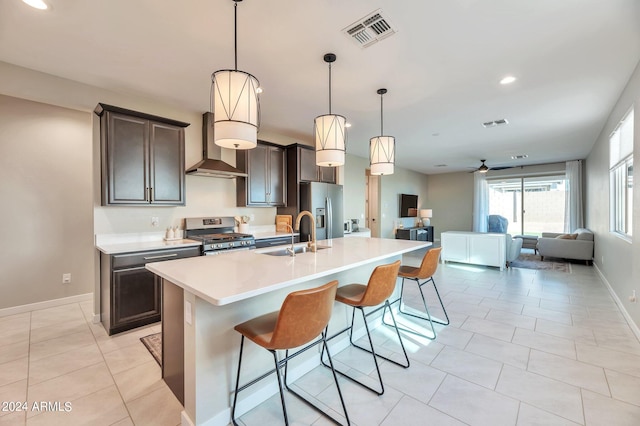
(408, 205)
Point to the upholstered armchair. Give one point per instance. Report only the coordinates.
(514, 246)
(497, 223)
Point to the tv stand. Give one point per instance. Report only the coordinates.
(418, 233)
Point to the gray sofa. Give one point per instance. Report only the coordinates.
(580, 248)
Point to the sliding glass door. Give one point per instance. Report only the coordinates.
(532, 205)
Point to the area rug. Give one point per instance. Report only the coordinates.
(532, 261)
(153, 343)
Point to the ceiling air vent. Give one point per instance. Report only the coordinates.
(370, 29)
(495, 123)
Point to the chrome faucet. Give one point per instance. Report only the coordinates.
(291, 250)
(311, 244)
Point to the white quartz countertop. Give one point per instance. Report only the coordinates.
(239, 275)
(134, 246)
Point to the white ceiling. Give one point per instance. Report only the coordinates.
(572, 59)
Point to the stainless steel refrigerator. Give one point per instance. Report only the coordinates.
(325, 202)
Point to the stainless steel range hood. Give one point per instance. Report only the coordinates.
(212, 165)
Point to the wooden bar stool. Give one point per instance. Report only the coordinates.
(381, 284)
(425, 272)
(303, 317)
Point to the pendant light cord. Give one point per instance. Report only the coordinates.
(381, 116)
(329, 87)
(235, 34)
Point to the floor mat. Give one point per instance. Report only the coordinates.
(532, 261)
(153, 343)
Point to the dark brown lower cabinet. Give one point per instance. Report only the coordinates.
(131, 296)
(135, 298)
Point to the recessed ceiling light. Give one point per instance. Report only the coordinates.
(347, 125)
(508, 79)
(37, 4)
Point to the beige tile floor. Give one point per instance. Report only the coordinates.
(58, 355)
(524, 347)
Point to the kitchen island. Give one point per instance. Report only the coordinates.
(205, 297)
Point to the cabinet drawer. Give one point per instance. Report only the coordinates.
(120, 261)
(276, 241)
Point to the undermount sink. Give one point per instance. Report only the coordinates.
(297, 250)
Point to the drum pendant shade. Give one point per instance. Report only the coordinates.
(382, 149)
(235, 103)
(330, 132)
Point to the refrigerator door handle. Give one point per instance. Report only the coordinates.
(329, 218)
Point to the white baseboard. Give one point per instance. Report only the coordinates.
(632, 324)
(185, 420)
(46, 304)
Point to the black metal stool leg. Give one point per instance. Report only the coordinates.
(235, 394)
(401, 304)
(424, 302)
(435, 287)
(394, 325)
(372, 351)
(280, 387)
(335, 378)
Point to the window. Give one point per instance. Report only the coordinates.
(621, 177)
(532, 204)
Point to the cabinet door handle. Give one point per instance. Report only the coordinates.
(162, 256)
(150, 194)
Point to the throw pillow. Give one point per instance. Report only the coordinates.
(567, 236)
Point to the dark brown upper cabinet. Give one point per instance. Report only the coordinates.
(265, 186)
(307, 169)
(142, 158)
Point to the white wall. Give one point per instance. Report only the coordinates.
(46, 193)
(617, 259)
(451, 199)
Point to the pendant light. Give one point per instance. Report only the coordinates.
(235, 103)
(382, 149)
(330, 132)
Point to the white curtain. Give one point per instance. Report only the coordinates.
(480, 202)
(573, 215)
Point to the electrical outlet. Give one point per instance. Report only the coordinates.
(633, 298)
(252, 217)
(155, 221)
(66, 278)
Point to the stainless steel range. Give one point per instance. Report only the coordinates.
(216, 235)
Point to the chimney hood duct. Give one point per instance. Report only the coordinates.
(212, 165)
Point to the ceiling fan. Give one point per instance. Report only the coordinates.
(484, 168)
